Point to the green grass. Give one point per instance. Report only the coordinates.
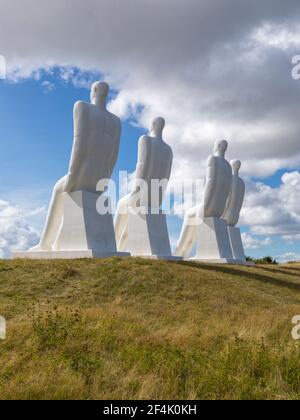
(141, 329)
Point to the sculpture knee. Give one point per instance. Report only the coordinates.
(189, 216)
(59, 186)
(194, 216)
(123, 206)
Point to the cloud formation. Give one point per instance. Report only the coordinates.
(213, 69)
(288, 257)
(250, 242)
(16, 234)
(274, 211)
(48, 86)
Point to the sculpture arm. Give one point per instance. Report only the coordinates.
(209, 185)
(78, 149)
(243, 191)
(115, 153)
(143, 164)
(228, 205)
(169, 171)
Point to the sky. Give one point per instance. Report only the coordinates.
(213, 69)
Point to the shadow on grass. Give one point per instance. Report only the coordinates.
(233, 271)
(285, 272)
(293, 268)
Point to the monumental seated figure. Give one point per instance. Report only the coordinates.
(232, 211)
(72, 222)
(140, 226)
(216, 193)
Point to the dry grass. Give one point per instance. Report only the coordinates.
(134, 328)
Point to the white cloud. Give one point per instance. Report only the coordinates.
(251, 242)
(288, 257)
(278, 35)
(274, 211)
(16, 234)
(48, 86)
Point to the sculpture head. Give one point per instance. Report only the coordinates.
(236, 166)
(157, 127)
(220, 148)
(99, 93)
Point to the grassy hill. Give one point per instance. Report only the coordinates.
(134, 328)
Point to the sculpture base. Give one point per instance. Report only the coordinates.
(236, 243)
(213, 241)
(83, 232)
(148, 236)
(159, 257)
(82, 227)
(66, 255)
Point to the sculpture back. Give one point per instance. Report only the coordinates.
(95, 147)
(218, 186)
(160, 159)
(235, 201)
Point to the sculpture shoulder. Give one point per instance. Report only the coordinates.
(81, 110)
(81, 106)
(144, 140)
(212, 160)
(216, 161)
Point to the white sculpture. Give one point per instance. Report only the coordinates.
(203, 224)
(140, 226)
(232, 211)
(73, 227)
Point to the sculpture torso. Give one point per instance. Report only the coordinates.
(95, 149)
(154, 162)
(218, 186)
(235, 201)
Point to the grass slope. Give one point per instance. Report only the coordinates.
(134, 328)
